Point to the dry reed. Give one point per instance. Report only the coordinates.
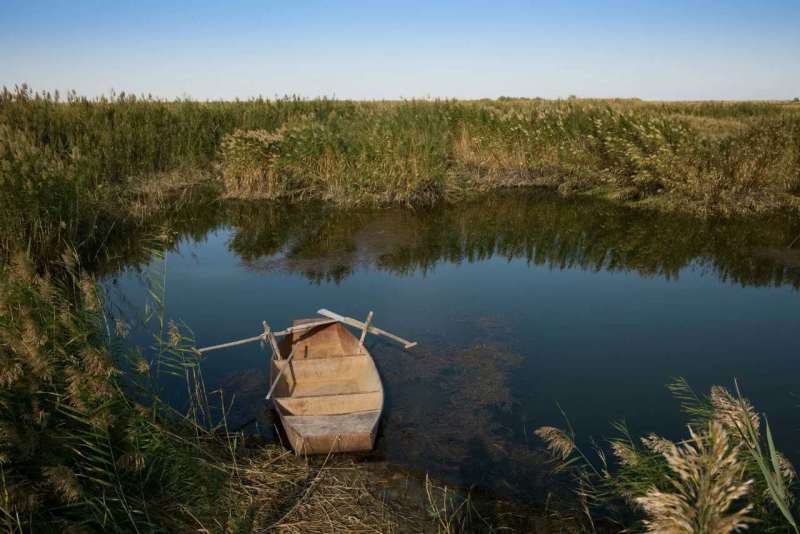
(708, 485)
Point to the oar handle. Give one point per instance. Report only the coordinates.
(371, 329)
(264, 336)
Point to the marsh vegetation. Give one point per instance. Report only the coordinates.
(89, 187)
(72, 166)
(726, 476)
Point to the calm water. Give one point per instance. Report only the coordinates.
(518, 301)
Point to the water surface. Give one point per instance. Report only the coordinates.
(520, 302)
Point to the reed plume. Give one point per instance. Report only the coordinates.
(733, 414)
(708, 483)
(657, 444)
(557, 441)
(625, 452)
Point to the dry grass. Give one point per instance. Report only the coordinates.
(719, 480)
(708, 485)
(283, 493)
(558, 442)
(292, 495)
(169, 191)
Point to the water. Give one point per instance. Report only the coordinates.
(521, 302)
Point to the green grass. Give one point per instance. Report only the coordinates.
(82, 447)
(70, 167)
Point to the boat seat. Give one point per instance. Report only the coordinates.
(326, 405)
(327, 376)
(315, 388)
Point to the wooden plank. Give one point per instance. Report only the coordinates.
(331, 404)
(371, 329)
(306, 326)
(333, 425)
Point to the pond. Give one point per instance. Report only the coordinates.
(521, 302)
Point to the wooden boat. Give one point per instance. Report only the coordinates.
(329, 395)
(327, 390)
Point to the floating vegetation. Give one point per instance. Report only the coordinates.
(472, 441)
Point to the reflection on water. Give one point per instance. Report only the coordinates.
(326, 244)
(519, 301)
(542, 229)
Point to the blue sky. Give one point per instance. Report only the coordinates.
(655, 50)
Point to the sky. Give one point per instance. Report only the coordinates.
(659, 50)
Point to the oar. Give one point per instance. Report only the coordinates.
(366, 327)
(232, 343)
(263, 336)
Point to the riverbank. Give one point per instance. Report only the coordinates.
(88, 443)
(75, 169)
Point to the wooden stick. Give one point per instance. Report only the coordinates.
(371, 329)
(280, 373)
(366, 326)
(232, 344)
(268, 334)
(304, 326)
(263, 337)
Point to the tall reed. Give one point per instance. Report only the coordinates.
(81, 445)
(721, 479)
(74, 169)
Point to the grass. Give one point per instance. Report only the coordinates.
(73, 168)
(725, 158)
(78, 451)
(727, 475)
(87, 444)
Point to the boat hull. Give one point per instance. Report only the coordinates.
(329, 397)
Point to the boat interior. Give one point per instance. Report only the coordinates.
(329, 374)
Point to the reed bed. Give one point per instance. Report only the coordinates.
(81, 448)
(725, 477)
(71, 167)
(703, 158)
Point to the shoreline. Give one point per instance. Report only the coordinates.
(385, 495)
